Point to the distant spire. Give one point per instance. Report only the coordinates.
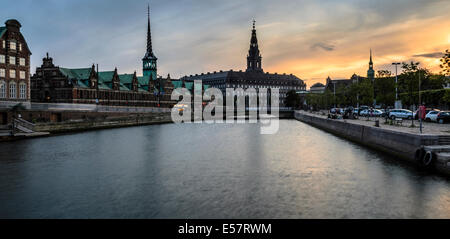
(149, 34)
(371, 72)
(254, 56)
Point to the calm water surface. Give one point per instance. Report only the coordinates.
(211, 171)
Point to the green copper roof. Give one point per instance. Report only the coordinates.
(126, 78)
(177, 84)
(143, 80)
(79, 74)
(189, 85)
(2, 31)
(105, 76)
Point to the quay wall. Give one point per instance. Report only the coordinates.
(103, 121)
(400, 144)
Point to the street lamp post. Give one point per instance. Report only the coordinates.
(334, 86)
(420, 103)
(396, 80)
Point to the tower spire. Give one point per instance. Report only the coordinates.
(371, 72)
(149, 34)
(254, 56)
(149, 60)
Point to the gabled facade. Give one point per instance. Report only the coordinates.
(14, 66)
(56, 84)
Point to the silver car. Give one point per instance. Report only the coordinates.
(400, 113)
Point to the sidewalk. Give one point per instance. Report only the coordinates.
(429, 128)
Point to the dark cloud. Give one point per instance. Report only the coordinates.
(430, 55)
(323, 46)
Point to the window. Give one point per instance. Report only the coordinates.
(12, 45)
(2, 58)
(2, 72)
(22, 75)
(4, 43)
(23, 91)
(20, 47)
(2, 89)
(12, 90)
(12, 73)
(12, 60)
(22, 61)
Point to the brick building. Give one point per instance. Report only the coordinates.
(14, 66)
(54, 84)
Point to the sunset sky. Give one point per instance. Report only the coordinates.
(311, 39)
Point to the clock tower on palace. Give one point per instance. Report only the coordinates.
(149, 60)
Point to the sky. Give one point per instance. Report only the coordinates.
(310, 39)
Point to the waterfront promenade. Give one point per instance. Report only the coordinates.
(430, 151)
(428, 128)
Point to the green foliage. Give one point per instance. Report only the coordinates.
(445, 63)
(385, 90)
(384, 73)
(431, 98)
(293, 99)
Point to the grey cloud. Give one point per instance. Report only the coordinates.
(323, 46)
(430, 55)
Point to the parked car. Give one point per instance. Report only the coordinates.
(443, 117)
(383, 112)
(432, 115)
(400, 113)
(336, 111)
(372, 113)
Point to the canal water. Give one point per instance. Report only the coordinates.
(212, 171)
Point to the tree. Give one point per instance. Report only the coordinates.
(384, 73)
(293, 99)
(365, 90)
(445, 63)
(385, 90)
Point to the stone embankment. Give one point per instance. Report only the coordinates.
(404, 145)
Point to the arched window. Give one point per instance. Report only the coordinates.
(22, 90)
(2, 89)
(12, 90)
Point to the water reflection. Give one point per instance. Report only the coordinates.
(211, 171)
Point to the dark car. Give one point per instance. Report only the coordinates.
(443, 117)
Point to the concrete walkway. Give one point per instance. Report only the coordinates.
(428, 128)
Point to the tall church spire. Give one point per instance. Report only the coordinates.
(149, 60)
(371, 72)
(254, 57)
(149, 34)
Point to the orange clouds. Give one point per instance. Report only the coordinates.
(396, 42)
